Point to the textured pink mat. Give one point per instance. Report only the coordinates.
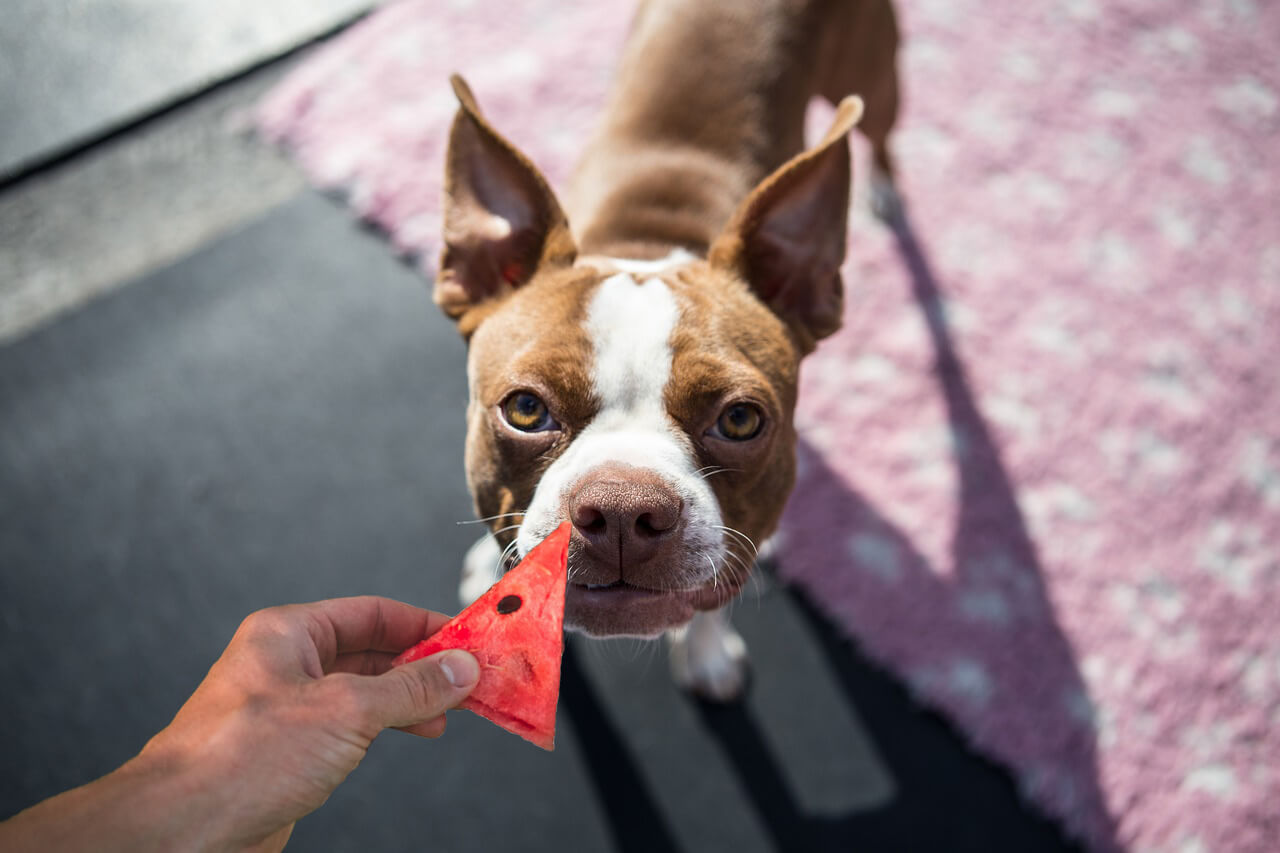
(1041, 463)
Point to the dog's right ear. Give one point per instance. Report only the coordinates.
(501, 220)
(787, 239)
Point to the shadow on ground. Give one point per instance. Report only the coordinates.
(946, 797)
(278, 418)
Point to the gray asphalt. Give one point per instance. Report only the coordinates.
(136, 202)
(72, 69)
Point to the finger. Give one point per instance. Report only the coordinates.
(276, 641)
(362, 663)
(432, 728)
(421, 690)
(369, 623)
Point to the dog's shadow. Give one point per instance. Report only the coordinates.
(989, 524)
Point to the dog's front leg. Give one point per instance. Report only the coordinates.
(709, 658)
(481, 569)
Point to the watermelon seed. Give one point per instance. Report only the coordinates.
(509, 604)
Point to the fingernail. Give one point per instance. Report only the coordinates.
(460, 668)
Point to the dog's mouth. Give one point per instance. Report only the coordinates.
(645, 582)
(624, 609)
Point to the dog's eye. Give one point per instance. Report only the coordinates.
(740, 422)
(527, 413)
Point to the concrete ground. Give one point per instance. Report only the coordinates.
(218, 393)
(74, 69)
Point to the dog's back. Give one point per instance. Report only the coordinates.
(710, 98)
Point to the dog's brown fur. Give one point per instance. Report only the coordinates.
(684, 141)
(700, 150)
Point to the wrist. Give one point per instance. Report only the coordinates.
(170, 801)
(198, 791)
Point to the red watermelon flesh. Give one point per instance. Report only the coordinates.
(516, 632)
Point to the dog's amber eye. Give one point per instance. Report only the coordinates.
(740, 422)
(527, 413)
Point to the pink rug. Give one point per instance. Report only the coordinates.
(1041, 463)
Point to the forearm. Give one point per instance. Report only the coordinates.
(145, 805)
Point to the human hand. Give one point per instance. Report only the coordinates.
(292, 705)
(282, 717)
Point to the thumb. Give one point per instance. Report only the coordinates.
(423, 689)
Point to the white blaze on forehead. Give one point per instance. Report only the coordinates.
(630, 326)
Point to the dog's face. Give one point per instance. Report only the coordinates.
(650, 403)
(654, 412)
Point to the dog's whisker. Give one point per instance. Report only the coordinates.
(742, 569)
(487, 519)
(754, 587)
(715, 470)
(505, 555)
(736, 539)
(739, 558)
(738, 534)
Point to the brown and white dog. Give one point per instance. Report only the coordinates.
(635, 372)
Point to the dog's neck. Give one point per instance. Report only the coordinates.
(683, 142)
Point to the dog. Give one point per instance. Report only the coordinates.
(633, 355)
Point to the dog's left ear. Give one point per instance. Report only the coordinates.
(787, 240)
(501, 220)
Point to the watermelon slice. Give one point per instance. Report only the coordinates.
(516, 631)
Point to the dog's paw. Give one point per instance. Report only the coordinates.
(480, 569)
(709, 659)
(886, 203)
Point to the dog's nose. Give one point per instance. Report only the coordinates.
(625, 514)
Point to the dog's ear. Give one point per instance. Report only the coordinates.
(501, 220)
(787, 239)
